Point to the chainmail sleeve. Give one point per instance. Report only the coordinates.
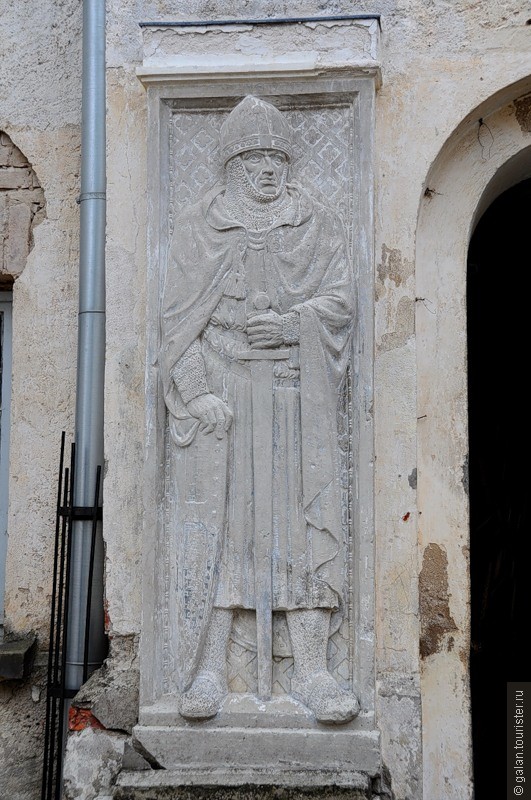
(189, 373)
(291, 327)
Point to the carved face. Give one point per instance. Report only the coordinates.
(266, 170)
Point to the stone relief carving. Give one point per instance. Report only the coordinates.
(257, 320)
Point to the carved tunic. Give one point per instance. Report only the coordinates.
(216, 269)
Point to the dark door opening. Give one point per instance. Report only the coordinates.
(499, 320)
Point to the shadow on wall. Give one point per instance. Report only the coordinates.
(499, 421)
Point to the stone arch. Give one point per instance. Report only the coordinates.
(487, 153)
(21, 208)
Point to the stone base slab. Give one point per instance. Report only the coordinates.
(248, 711)
(317, 757)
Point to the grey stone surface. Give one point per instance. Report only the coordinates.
(133, 760)
(92, 761)
(111, 693)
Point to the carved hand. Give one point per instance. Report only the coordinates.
(265, 330)
(213, 414)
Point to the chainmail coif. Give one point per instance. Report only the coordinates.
(254, 210)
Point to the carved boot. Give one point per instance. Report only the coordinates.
(205, 696)
(325, 698)
(311, 683)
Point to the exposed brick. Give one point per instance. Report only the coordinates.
(18, 159)
(3, 211)
(27, 196)
(5, 155)
(21, 203)
(81, 718)
(15, 178)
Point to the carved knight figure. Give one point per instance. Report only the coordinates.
(257, 320)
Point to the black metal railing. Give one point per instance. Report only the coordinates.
(58, 695)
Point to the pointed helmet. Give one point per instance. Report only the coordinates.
(254, 125)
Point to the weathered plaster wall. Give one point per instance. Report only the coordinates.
(41, 53)
(468, 174)
(439, 62)
(446, 64)
(39, 112)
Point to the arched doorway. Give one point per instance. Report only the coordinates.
(499, 421)
(464, 181)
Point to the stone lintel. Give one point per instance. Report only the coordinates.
(183, 69)
(290, 50)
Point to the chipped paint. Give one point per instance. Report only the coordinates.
(435, 618)
(394, 267)
(523, 112)
(465, 480)
(404, 326)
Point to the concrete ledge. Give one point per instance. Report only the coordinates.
(16, 658)
(240, 784)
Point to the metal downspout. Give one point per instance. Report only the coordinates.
(91, 352)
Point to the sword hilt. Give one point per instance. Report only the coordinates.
(264, 355)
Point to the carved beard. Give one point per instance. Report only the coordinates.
(253, 209)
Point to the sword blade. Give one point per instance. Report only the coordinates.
(262, 415)
(261, 364)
